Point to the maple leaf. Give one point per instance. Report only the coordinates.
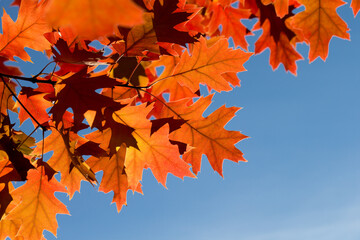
(27, 31)
(94, 21)
(38, 207)
(205, 66)
(318, 24)
(198, 132)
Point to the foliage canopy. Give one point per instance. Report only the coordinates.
(135, 117)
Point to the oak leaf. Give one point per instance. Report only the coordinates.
(318, 24)
(92, 21)
(65, 161)
(114, 175)
(355, 5)
(205, 66)
(38, 207)
(139, 39)
(154, 151)
(35, 103)
(73, 94)
(198, 132)
(27, 31)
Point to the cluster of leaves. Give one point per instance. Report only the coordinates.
(135, 117)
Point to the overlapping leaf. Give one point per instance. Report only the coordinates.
(38, 207)
(205, 66)
(318, 24)
(27, 31)
(199, 133)
(96, 20)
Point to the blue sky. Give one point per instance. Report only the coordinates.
(302, 178)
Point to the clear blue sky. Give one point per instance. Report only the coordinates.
(302, 180)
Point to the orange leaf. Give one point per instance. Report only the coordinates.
(114, 176)
(319, 23)
(9, 228)
(281, 51)
(355, 5)
(61, 160)
(175, 89)
(6, 101)
(154, 151)
(27, 31)
(205, 66)
(200, 133)
(139, 39)
(229, 18)
(35, 103)
(94, 19)
(38, 207)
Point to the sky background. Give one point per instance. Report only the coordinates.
(302, 178)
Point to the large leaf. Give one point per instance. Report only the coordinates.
(64, 160)
(92, 21)
(205, 66)
(200, 133)
(154, 151)
(319, 23)
(114, 175)
(27, 31)
(38, 207)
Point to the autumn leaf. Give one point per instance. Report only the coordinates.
(355, 5)
(198, 132)
(229, 18)
(174, 88)
(9, 70)
(62, 161)
(95, 20)
(154, 151)
(282, 51)
(166, 18)
(277, 36)
(9, 228)
(27, 31)
(35, 103)
(318, 24)
(72, 94)
(38, 207)
(205, 66)
(139, 39)
(6, 101)
(114, 175)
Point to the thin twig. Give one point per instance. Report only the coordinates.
(32, 79)
(17, 99)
